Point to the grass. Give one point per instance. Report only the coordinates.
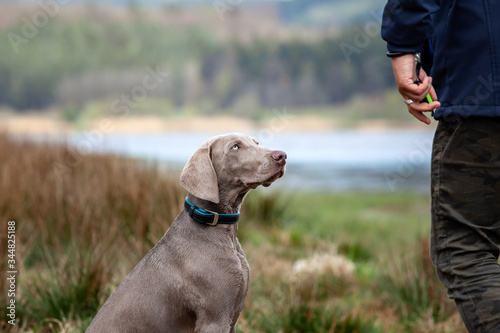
(320, 262)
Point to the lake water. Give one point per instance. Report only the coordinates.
(350, 160)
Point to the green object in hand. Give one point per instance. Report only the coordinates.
(417, 72)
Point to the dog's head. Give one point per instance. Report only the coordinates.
(228, 162)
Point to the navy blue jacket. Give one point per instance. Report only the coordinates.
(460, 45)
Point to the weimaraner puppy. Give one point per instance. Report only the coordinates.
(195, 279)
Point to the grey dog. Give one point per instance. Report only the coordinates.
(195, 278)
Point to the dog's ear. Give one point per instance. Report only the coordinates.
(199, 178)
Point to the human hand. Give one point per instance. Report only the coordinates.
(404, 72)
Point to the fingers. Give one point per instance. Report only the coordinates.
(417, 110)
(417, 92)
(420, 116)
(423, 106)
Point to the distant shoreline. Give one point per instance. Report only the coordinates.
(49, 124)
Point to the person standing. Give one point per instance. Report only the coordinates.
(459, 43)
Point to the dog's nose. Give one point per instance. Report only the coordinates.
(279, 157)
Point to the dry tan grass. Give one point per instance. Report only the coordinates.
(87, 227)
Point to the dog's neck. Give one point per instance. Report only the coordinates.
(229, 203)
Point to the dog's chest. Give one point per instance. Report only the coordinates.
(244, 269)
(243, 279)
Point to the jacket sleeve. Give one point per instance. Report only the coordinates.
(407, 24)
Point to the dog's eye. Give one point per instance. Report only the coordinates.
(235, 147)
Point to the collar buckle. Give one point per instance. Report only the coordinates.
(216, 219)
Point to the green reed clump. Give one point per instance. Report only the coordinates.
(289, 310)
(261, 211)
(318, 319)
(414, 288)
(355, 250)
(71, 285)
(265, 209)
